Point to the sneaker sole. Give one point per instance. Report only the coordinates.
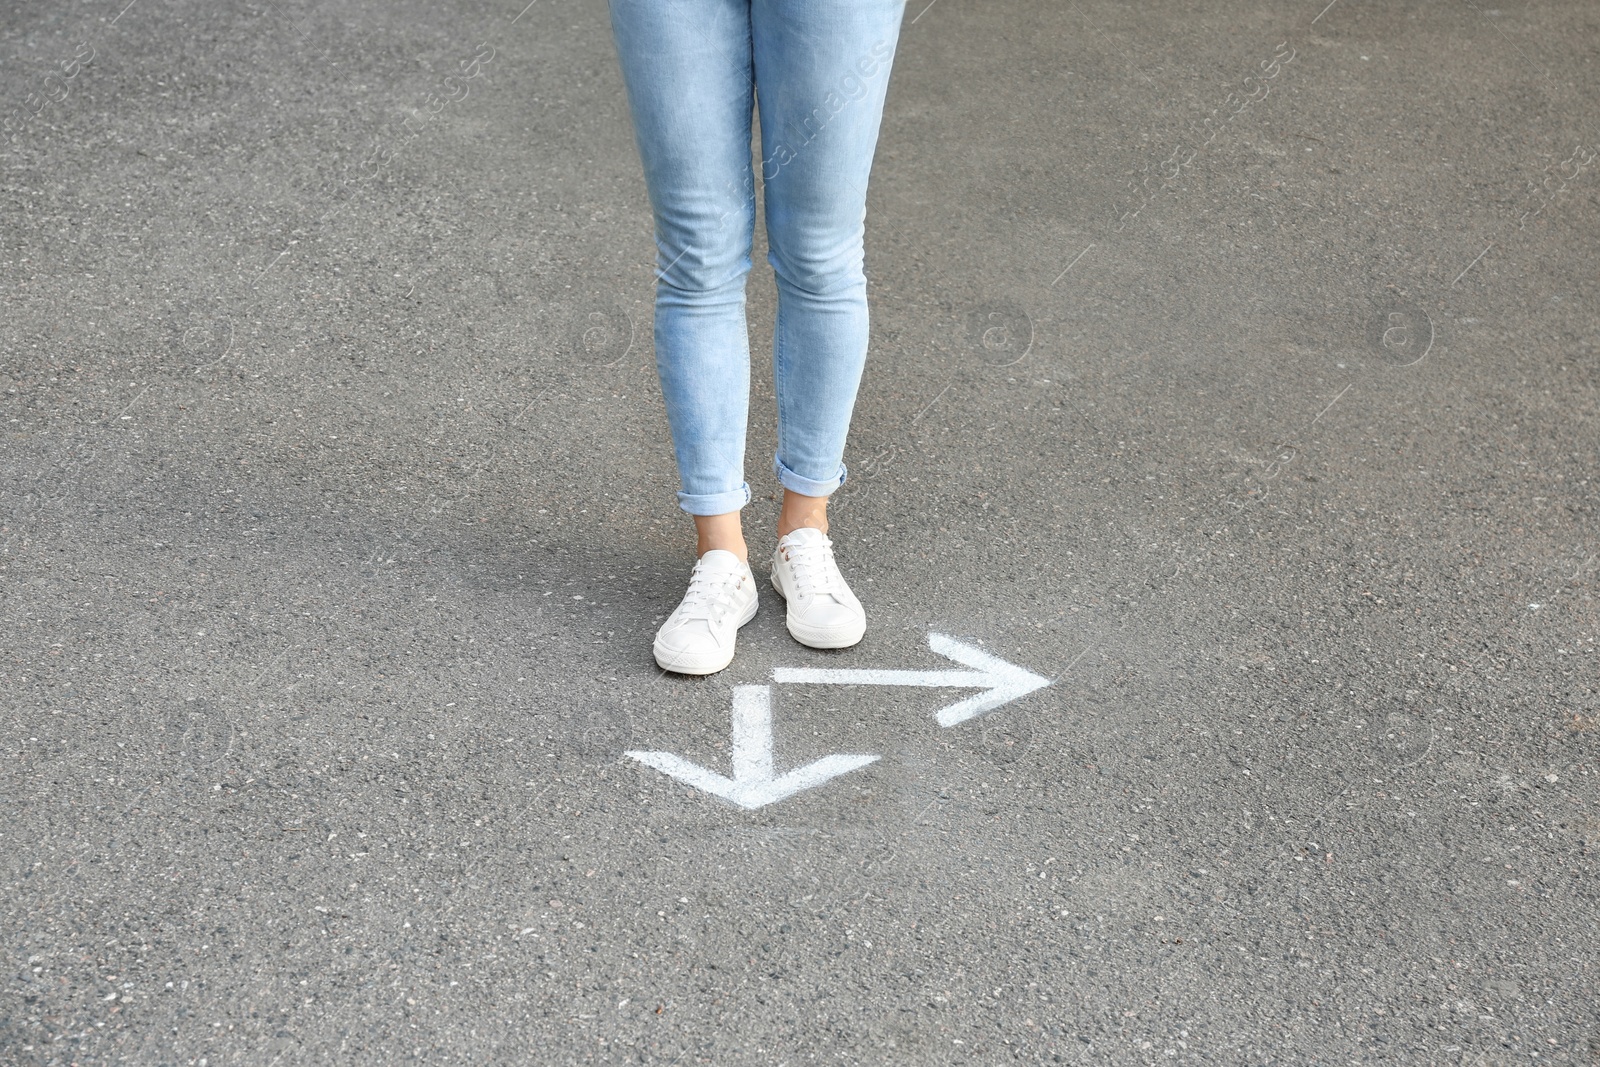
(689, 663)
(820, 636)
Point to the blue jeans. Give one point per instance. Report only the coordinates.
(818, 70)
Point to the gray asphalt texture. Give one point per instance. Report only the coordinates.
(1234, 366)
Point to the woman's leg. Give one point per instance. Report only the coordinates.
(687, 67)
(822, 71)
(688, 71)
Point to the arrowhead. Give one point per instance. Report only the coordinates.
(1005, 681)
(752, 793)
(754, 783)
(755, 794)
(691, 773)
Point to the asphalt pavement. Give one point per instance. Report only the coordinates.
(1223, 497)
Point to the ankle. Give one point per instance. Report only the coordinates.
(738, 549)
(802, 512)
(787, 528)
(720, 531)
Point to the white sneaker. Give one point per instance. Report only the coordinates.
(698, 636)
(823, 612)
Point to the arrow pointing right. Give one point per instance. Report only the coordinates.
(1001, 681)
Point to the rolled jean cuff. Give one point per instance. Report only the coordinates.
(806, 486)
(715, 503)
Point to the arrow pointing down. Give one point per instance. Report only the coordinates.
(754, 782)
(1002, 682)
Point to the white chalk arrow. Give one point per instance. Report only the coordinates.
(1002, 682)
(754, 782)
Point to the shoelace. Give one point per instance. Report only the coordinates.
(812, 567)
(710, 594)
